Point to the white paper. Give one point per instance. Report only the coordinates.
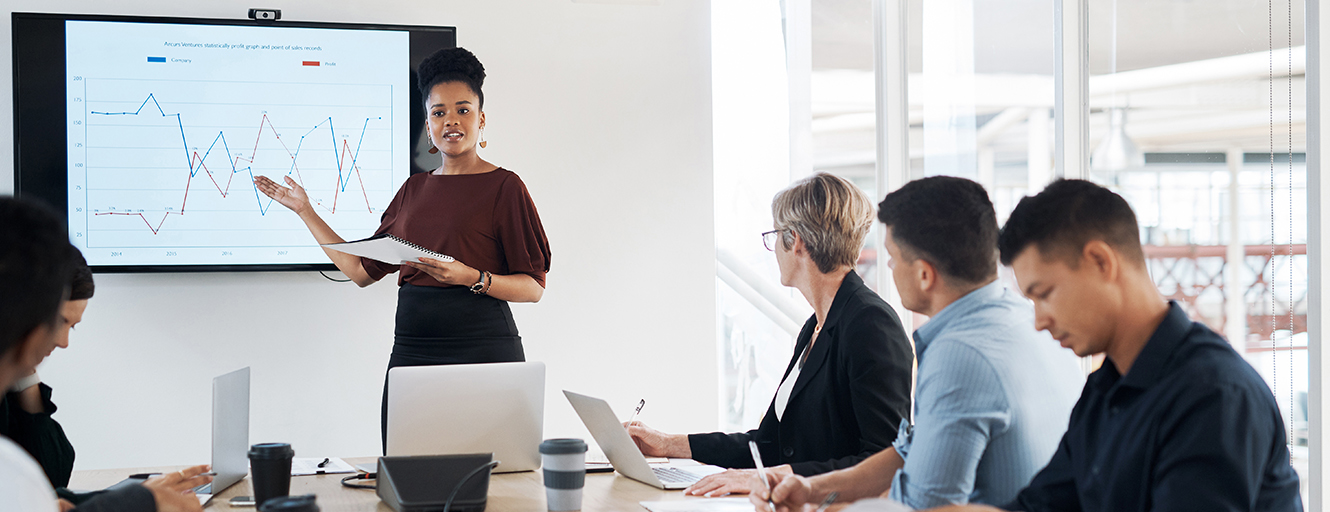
(700, 505)
(386, 249)
(878, 505)
(302, 466)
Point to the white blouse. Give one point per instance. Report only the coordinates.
(787, 385)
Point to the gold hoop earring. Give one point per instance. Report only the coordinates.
(483, 143)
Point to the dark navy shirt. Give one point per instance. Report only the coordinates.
(1191, 426)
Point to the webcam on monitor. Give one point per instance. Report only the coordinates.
(265, 14)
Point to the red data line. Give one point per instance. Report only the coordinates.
(196, 162)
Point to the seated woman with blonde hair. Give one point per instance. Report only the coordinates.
(847, 385)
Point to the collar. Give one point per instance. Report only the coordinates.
(818, 354)
(847, 288)
(1151, 363)
(963, 306)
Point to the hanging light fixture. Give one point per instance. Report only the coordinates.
(1116, 152)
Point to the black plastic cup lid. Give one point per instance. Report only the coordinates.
(271, 451)
(304, 503)
(562, 446)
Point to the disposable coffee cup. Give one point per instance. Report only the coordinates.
(270, 471)
(564, 462)
(306, 503)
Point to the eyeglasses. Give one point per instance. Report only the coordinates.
(769, 239)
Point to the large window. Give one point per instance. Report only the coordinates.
(1197, 116)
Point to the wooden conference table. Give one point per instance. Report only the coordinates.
(508, 492)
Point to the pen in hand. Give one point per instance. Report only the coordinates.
(831, 498)
(632, 418)
(761, 471)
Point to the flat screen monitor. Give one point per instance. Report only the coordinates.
(148, 132)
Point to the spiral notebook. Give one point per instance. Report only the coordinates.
(388, 249)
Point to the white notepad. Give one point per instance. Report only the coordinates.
(700, 505)
(302, 466)
(388, 249)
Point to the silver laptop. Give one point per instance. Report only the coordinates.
(622, 451)
(494, 408)
(230, 432)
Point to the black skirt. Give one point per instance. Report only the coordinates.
(451, 325)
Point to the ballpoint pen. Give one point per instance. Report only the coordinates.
(831, 498)
(325, 462)
(761, 472)
(640, 405)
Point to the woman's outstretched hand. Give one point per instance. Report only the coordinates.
(293, 197)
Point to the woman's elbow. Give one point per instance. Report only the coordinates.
(362, 279)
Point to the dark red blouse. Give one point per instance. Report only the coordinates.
(486, 221)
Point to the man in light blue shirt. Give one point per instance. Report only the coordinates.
(993, 395)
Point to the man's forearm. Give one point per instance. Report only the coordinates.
(867, 479)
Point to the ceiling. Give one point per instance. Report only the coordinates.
(1016, 36)
(1158, 40)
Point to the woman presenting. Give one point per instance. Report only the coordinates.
(452, 312)
(847, 385)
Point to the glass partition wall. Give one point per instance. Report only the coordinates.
(1198, 117)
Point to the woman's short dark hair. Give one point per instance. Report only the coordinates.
(81, 286)
(452, 65)
(34, 268)
(1067, 215)
(948, 222)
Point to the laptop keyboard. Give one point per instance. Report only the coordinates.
(672, 475)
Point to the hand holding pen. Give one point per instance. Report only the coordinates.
(793, 492)
(654, 443)
(631, 419)
(761, 472)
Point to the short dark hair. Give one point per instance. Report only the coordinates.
(34, 268)
(1067, 215)
(452, 65)
(81, 286)
(948, 222)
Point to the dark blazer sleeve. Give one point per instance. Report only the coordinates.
(850, 399)
(724, 450)
(874, 370)
(39, 435)
(731, 450)
(134, 498)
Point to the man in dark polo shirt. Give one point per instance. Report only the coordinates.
(1175, 419)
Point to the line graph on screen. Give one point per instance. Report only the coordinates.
(165, 171)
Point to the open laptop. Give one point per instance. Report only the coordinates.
(494, 408)
(622, 451)
(230, 433)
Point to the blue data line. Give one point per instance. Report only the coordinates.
(221, 136)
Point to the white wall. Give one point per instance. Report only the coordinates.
(605, 112)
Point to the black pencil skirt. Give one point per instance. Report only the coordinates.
(449, 326)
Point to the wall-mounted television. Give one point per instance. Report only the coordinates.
(147, 133)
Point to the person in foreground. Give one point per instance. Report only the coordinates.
(26, 410)
(993, 394)
(35, 257)
(1175, 419)
(847, 385)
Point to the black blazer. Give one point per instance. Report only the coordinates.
(849, 398)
